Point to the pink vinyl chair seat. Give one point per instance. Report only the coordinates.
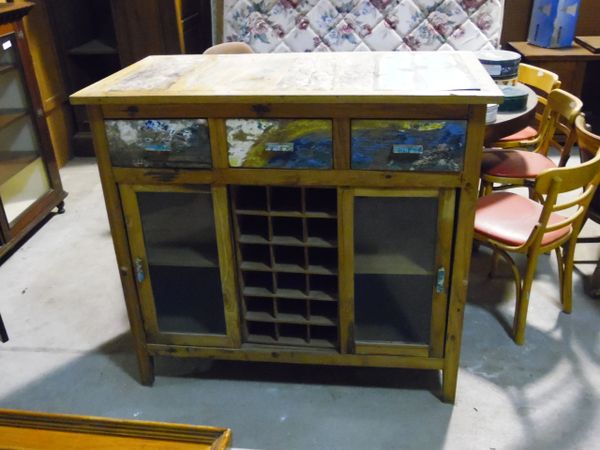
(514, 163)
(510, 218)
(525, 134)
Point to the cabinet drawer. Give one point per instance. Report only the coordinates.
(415, 145)
(279, 143)
(181, 143)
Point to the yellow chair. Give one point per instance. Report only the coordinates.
(511, 223)
(518, 166)
(229, 48)
(589, 144)
(543, 82)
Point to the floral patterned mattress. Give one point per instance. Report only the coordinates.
(362, 25)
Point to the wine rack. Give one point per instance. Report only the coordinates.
(286, 242)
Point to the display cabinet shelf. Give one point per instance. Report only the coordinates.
(339, 216)
(92, 48)
(4, 68)
(10, 116)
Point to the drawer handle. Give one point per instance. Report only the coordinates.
(407, 149)
(279, 147)
(405, 153)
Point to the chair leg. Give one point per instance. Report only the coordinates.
(566, 286)
(561, 269)
(494, 263)
(520, 320)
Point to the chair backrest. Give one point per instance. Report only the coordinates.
(229, 48)
(559, 116)
(588, 144)
(578, 182)
(541, 80)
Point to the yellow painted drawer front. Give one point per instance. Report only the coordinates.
(176, 143)
(409, 145)
(280, 143)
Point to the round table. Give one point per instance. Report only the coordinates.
(507, 123)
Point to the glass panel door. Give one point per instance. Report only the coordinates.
(23, 177)
(399, 270)
(174, 234)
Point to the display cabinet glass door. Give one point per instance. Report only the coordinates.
(180, 252)
(23, 176)
(400, 253)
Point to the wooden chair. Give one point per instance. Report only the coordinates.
(228, 48)
(543, 82)
(518, 166)
(508, 222)
(589, 144)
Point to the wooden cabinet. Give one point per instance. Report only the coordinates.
(97, 37)
(30, 185)
(263, 210)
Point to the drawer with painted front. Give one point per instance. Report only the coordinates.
(160, 143)
(408, 145)
(280, 143)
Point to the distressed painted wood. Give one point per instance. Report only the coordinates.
(408, 145)
(280, 143)
(159, 143)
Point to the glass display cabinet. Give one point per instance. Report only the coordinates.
(301, 208)
(30, 186)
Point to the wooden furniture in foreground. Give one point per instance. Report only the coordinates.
(30, 185)
(95, 38)
(508, 222)
(570, 64)
(27, 430)
(302, 208)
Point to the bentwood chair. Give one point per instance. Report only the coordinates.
(518, 166)
(589, 144)
(511, 223)
(228, 48)
(544, 82)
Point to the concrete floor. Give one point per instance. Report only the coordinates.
(70, 352)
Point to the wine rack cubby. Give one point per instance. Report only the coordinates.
(286, 242)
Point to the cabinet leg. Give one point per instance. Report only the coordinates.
(146, 365)
(449, 378)
(60, 208)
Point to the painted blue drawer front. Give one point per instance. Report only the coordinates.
(177, 143)
(279, 143)
(409, 145)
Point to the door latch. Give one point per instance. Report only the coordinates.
(441, 278)
(139, 270)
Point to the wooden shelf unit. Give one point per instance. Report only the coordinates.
(332, 246)
(30, 186)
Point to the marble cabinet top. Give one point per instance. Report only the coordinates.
(353, 77)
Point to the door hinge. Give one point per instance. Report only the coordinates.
(441, 279)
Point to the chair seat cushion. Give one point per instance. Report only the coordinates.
(522, 135)
(510, 218)
(514, 163)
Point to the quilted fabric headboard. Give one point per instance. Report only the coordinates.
(360, 25)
